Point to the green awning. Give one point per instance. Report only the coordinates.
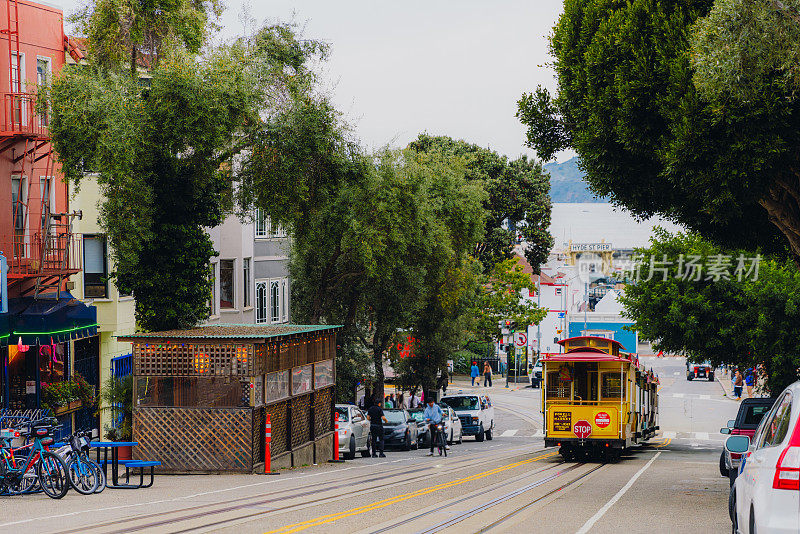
(47, 320)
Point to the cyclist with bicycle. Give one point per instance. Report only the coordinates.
(433, 415)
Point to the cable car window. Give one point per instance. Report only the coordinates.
(585, 382)
(611, 386)
(557, 389)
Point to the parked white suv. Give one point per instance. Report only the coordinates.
(476, 413)
(766, 495)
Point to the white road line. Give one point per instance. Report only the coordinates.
(539, 434)
(509, 433)
(701, 435)
(705, 397)
(601, 512)
(670, 434)
(676, 373)
(678, 395)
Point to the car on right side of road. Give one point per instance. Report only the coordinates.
(699, 370)
(766, 495)
(751, 411)
(476, 413)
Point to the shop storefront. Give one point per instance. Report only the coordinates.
(35, 355)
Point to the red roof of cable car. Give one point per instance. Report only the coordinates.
(613, 341)
(585, 356)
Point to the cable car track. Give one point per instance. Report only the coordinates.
(275, 496)
(486, 506)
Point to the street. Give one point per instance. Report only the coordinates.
(503, 485)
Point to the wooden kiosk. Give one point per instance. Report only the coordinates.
(201, 396)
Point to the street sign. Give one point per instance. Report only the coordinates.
(520, 339)
(602, 419)
(582, 429)
(560, 315)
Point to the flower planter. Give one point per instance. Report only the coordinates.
(73, 406)
(125, 453)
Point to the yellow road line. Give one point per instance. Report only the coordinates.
(666, 442)
(322, 520)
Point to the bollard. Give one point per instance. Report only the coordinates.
(336, 459)
(267, 448)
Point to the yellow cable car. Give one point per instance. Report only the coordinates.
(596, 399)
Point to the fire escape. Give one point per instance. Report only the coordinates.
(40, 249)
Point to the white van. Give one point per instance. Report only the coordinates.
(475, 412)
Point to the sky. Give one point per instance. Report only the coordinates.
(446, 67)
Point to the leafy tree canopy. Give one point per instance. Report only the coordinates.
(744, 320)
(164, 152)
(627, 103)
(518, 191)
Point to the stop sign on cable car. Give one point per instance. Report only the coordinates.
(582, 429)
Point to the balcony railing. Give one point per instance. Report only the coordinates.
(19, 116)
(33, 254)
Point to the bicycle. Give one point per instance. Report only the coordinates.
(440, 440)
(50, 469)
(86, 476)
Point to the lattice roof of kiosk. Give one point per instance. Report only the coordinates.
(231, 331)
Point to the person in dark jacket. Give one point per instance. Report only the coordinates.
(376, 420)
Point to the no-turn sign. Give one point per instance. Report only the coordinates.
(520, 339)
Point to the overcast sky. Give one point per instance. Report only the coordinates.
(396, 69)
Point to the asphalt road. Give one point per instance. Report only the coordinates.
(508, 484)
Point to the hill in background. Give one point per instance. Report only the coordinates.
(566, 183)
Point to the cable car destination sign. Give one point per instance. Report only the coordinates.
(590, 247)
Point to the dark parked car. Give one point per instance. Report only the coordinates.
(751, 411)
(699, 370)
(400, 430)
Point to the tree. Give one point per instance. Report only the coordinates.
(519, 191)
(500, 299)
(126, 31)
(627, 103)
(164, 152)
(744, 320)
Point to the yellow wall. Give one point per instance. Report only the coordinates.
(115, 314)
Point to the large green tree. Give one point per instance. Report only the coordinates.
(167, 150)
(518, 191)
(628, 104)
(735, 314)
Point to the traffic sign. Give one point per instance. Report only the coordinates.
(582, 429)
(602, 419)
(520, 339)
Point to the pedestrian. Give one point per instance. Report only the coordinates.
(487, 374)
(393, 400)
(401, 402)
(737, 385)
(444, 380)
(749, 380)
(474, 373)
(376, 419)
(387, 403)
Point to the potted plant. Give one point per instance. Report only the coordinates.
(117, 396)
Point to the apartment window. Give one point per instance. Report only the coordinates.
(275, 301)
(264, 227)
(46, 190)
(246, 282)
(213, 277)
(43, 75)
(19, 101)
(226, 287)
(284, 301)
(262, 224)
(18, 195)
(261, 302)
(95, 275)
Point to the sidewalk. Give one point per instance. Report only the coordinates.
(464, 382)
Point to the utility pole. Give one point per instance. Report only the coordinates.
(586, 306)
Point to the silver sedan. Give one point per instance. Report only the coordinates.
(353, 431)
(452, 425)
